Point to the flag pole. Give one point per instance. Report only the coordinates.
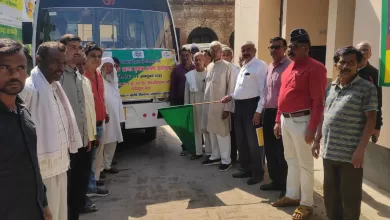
(204, 103)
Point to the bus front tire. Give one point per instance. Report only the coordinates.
(151, 133)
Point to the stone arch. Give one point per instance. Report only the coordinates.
(202, 35)
(231, 40)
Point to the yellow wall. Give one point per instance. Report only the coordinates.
(368, 27)
(246, 26)
(269, 27)
(341, 21)
(311, 15)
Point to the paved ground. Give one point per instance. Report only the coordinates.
(155, 183)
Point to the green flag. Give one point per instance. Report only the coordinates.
(181, 120)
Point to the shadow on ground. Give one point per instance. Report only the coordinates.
(156, 183)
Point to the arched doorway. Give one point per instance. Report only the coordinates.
(231, 40)
(202, 35)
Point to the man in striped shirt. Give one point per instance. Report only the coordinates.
(348, 122)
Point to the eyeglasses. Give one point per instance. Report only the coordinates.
(294, 46)
(274, 47)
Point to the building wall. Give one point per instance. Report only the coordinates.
(246, 24)
(216, 15)
(309, 15)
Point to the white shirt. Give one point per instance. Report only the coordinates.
(251, 82)
(112, 130)
(236, 70)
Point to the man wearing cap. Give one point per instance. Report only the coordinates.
(194, 49)
(300, 108)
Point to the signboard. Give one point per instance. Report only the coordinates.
(144, 73)
(385, 45)
(12, 14)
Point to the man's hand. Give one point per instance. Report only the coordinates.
(315, 149)
(47, 213)
(309, 136)
(256, 119)
(277, 132)
(89, 146)
(376, 133)
(226, 99)
(107, 118)
(358, 158)
(225, 115)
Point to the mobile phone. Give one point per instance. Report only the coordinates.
(374, 139)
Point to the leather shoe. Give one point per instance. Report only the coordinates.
(242, 174)
(253, 181)
(269, 187)
(112, 171)
(89, 209)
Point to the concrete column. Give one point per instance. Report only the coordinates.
(246, 24)
(309, 15)
(341, 21)
(269, 27)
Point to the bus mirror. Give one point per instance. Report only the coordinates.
(27, 32)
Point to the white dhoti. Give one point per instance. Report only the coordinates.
(57, 195)
(300, 177)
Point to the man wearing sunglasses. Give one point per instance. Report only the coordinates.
(300, 108)
(277, 166)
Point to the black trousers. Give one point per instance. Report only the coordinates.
(342, 190)
(78, 178)
(251, 155)
(274, 150)
(233, 152)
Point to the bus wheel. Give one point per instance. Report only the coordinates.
(151, 133)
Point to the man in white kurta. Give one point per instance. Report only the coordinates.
(194, 93)
(216, 118)
(113, 131)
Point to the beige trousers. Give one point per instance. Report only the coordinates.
(57, 195)
(109, 152)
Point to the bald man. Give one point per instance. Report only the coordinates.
(370, 73)
(249, 104)
(194, 93)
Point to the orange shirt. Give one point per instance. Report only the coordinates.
(98, 95)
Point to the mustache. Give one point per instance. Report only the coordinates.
(345, 70)
(14, 81)
(77, 54)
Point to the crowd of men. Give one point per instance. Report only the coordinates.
(298, 110)
(66, 118)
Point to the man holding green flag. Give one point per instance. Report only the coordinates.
(194, 93)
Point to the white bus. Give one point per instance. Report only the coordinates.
(138, 26)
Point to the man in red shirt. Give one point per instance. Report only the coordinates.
(94, 58)
(300, 108)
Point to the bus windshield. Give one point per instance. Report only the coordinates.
(109, 27)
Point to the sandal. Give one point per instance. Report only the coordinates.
(195, 157)
(183, 153)
(302, 212)
(285, 201)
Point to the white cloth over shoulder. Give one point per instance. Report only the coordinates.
(37, 96)
(113, 131)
